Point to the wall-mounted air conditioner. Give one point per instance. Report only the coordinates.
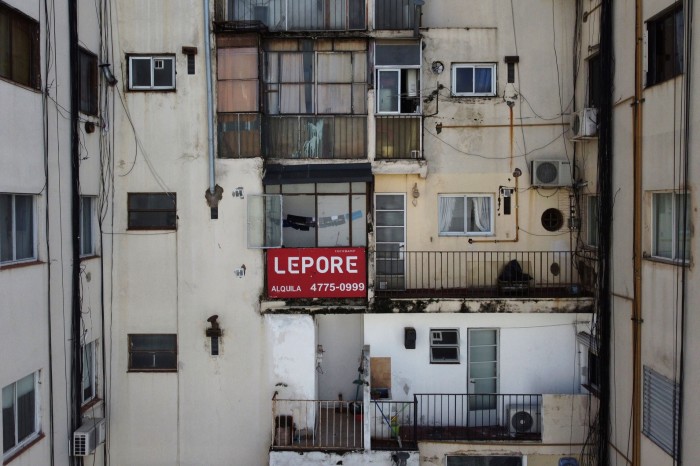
(584, 123)
(522, 420)
(551, 173)
(88, 436)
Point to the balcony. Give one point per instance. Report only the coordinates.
(398, 137)
(311, 137)
(293, 15)
(481, 274)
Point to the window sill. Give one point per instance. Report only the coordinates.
(92, 404)
(152, 371)
(664, 260)
(24, 86)
(24, 448)
(16, 265)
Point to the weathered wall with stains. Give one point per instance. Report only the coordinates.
(290, 458)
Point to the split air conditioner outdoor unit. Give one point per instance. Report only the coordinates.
(551, 173)
(522, 420)
(584, 123)
(88, 436)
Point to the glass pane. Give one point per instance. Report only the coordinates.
(388, 91)
(482, 337)
(153, 342)
(8, 417)
(390, 234)
(388, 218)
(335, 67)
(390, 202)
(155, 201)
(163, 75)
(444, 354)
(6, 228)
(359, 187)
(485, 386)
(26, 410)
(390, 266)
(663, 225)
(237, 96)
(24, 227)
(87, 371)
(21, 52)
(140, 71)
(86, 225)
(452, 214)
(157, 219)
(334, 98)
(464, 80)
(482, 353)
(684, 231)
(5, 61)
(237, 63)
(333, 187)
(482, 370)
(446, 337)
(333, 221)
(358, 215)
(298, 188)
(299, 221)
(482, 80)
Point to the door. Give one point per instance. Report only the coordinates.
(390, 226)
(483, 376)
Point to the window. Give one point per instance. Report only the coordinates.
(474, 80)
(398, 77)
(153, 352)
(671, 226)
(87, 230)
(152, 211)
(20, 414)
(444, 346)
(16, 228)
(152, 72)
(594, 81)
(89, 383)
(237, 79)
(322, 214)
(661, 411)
(665, 45)
(591, 221)
(461, 215)
(88, 82)
(460, 460)
(19, 47)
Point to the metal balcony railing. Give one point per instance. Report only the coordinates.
(294, 15)
(317, 425)
(477, 417)
(392, 425)
(480, 274)
(313, 137)
(398, 137)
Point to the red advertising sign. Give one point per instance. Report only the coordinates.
(316, 273)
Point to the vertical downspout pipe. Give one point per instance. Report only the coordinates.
(210, 96)
(75, 353)
(605, 189)
(637, 236)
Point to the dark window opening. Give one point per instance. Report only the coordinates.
(88, 82)
(594, 82)
(665, 46)
(152, 211)
(19, 47)
(152, 352)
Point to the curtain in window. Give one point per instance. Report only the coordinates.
(482, 80)
(26, 412)
(482, 213)
(663, 225)
(447, 213)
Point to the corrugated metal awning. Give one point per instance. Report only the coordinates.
(318, 173)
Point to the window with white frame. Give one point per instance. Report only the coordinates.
(398, 77)
(151, 72)
(671, 225)
(20, 414)
(465, 214)
(474, 79)
(89, 372)
(17, 230)
(444, 346)
(87, 227)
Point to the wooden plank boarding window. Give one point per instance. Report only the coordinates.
(152, 211)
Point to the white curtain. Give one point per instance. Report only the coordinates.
(447, 210)
(482, 213)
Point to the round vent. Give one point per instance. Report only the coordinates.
(522, 421)
(547, 172)
(552, 219)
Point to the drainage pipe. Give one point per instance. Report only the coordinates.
(210, 97)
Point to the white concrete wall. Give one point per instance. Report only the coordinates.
(538, 353)
(342, 339)
(290, 458)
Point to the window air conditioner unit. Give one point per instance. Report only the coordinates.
(584, 124)
(551, 173)
(88, 436)
(522, 420)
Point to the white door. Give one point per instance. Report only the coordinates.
(390, 229)
(482, 370)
